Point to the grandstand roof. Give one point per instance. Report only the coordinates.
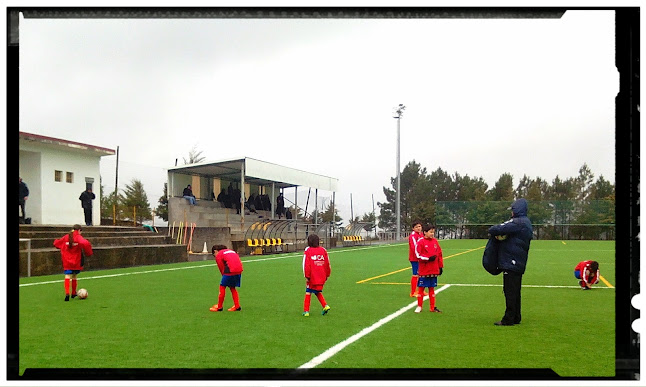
(258, 172)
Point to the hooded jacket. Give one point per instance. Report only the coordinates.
(513, 251)
(71, 253)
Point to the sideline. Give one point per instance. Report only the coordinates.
(338, 347)
(292, 255)
(498, 285)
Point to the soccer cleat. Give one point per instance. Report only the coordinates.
(215, 308)
(67, 297)
(74, 295)
(306, 314)
(502, 324)
(436, 310)
(325, 310)
(234, 309)
(418, 309)
(413, 294)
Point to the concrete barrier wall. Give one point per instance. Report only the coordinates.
(45, 262)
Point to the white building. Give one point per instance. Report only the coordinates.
(56, 172)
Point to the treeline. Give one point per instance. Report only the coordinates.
(434, 197)
(130, 205)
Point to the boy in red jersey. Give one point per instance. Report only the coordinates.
(431, 265)
(316, 269)
(588, 273)
(72, 247)
(414, 236)
(230, 267)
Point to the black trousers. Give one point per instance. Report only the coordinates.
(511, 284)
(88, 216)
(22, 208)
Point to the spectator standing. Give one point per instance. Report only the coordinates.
(316, 268)
(280, 205)
(235, 201)
(86, 202)
(515, 236)
(72, 247)
(188, 195)
(23, 193)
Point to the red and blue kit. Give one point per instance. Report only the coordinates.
(430, 258)
(72, 256)
(431, 265)
(583, 272)
(230, 266)
(316, 267)
(413, 239)
(71, 253)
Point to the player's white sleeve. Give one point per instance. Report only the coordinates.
(419, 256)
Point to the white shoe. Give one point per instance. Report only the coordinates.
(418, 309)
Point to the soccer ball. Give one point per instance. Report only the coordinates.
(501, 237)
(82, 294)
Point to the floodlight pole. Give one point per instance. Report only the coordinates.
(398, 115)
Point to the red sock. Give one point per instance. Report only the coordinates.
(67, 286)
(413, 284)
(319, 295)
(236, 298)
(306, 302)
(74, 282)
(431, 296)
(420, 296)
(221, 297)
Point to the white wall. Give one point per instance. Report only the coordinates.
(59, 201)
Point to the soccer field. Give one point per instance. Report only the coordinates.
(158, 316)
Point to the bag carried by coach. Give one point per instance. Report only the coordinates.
(490, 257)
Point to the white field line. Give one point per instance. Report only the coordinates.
(535, 286)
(338, 347)
(196, 267)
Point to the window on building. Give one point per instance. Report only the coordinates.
(69, 177)
(58, 176)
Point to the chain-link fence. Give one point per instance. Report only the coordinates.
(551, 219)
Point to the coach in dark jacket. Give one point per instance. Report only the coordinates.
(86, 202)
(516, 234)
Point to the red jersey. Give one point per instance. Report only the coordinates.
(316, 265)
(228, 262)
(71, 255)
(587, 276)
(413, 238)
(426, 250)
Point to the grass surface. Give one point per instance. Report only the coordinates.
(158, 316)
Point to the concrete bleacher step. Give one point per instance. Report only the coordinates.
(113, 247)
(48, 261)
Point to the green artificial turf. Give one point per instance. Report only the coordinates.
(158, 316)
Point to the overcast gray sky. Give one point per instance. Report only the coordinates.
(483, 96)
